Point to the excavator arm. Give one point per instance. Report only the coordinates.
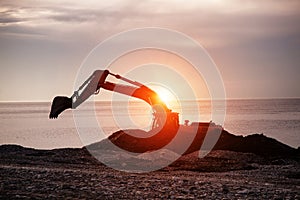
(162, 114)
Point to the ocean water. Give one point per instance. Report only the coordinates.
(27, 124)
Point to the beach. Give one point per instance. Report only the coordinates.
(42, 158)
(73, 173)
(149, 99)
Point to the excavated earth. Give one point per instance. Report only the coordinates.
(252, 167)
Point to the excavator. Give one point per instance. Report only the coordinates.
(163, 116)
(165, 125)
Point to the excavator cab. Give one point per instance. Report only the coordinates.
(162, 115)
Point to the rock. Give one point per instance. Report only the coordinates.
(192, 188)
(244, 191)
(225, 189)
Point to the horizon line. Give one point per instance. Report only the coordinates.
(201, 99)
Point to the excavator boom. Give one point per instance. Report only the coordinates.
(143, 92)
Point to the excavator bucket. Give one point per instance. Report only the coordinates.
(59, 104)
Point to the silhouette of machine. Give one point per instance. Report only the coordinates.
(163, 116)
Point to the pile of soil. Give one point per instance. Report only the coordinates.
(258, 144)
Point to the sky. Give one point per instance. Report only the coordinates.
(255, 44)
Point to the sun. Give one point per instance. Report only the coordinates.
(165, 94)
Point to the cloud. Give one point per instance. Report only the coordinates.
(216, 24)
(227, 20)
(7, 17)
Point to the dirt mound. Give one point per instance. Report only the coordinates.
(217, 161)
(258, 144)
(231, 152)
(15, 154)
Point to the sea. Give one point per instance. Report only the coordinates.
(27, 123)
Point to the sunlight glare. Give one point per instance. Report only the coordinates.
(166, 95)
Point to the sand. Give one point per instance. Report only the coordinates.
(74, 173)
